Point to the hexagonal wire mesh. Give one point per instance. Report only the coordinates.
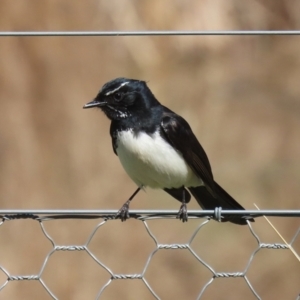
(144, 217)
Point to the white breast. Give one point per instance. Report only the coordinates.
(150, 161)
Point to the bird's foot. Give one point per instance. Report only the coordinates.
(182, 213)
(123, 212)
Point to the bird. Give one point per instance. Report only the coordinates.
(158, 149)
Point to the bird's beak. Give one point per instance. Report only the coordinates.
(94, 103)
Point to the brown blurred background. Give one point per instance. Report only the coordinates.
(241, 96)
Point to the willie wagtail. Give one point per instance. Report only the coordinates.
(158, 148)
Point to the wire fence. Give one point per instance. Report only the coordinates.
(42, 216)
(105, 216)
(148, 33)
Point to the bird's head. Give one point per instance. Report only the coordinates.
(121, 98)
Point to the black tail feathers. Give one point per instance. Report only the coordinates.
(222, 199)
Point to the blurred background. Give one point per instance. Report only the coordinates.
(240, 94)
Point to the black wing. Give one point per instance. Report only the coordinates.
(179, 134)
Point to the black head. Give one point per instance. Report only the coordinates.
(123, 98)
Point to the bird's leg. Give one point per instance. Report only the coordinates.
(123, 212)
(182, 213)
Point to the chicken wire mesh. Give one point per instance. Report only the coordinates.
(144, 217)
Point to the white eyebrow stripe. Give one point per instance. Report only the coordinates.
(116, 89)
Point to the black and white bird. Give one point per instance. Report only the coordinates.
(158, 149)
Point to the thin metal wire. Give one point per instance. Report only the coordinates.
(97, 212)
(147, 33)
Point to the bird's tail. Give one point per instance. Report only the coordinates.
(222, 199)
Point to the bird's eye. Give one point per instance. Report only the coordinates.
(118, 96)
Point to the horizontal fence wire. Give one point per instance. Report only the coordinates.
(217, 213)
(149, 33)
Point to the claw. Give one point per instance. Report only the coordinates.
(123, 212)
(182, 213)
